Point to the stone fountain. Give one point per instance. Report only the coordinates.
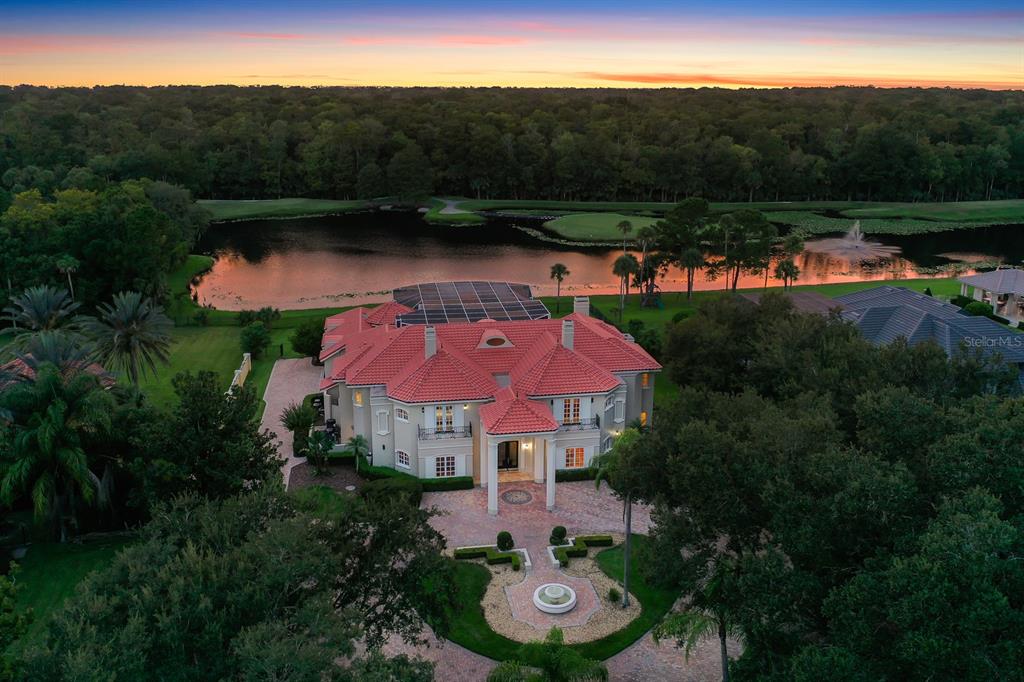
(554, 598)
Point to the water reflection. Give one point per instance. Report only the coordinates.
(360, 258)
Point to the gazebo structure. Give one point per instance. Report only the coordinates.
(1003, 289)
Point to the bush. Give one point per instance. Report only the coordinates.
(927, 291)
(254, 339)
(614, 596)
(584, 474)
(505, 541)
(978, 309)
(306, 338)
(436, 485)
(578, 548)
(267, 316)
(202, 317)
(491, 555)
(680, 316)
(384, 489)
(558, 534)
(960, 301)
(246, 317)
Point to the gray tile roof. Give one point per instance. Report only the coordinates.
(1002, 281)
(883, 314)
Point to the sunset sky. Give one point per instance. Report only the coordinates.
(642, 43)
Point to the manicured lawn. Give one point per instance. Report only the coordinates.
(470, 629)
(594, 226)
(50, 571)
(278, 208)
(1006, 211)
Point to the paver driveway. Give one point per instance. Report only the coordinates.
(290, 382)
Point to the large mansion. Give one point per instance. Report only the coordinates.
(493, 399)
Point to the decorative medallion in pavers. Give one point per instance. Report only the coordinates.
(516, 496)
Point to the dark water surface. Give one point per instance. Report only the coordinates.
(317, 262)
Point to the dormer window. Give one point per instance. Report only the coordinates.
(494, 338)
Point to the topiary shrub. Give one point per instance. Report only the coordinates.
(384, 489)
(978, 309)
(614, 596)
(558, 534)
(505, 541)
(491, 556)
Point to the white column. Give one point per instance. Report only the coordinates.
(328, 411)
(549, 447)
(963, 288)
(538, 460)
(492, 477)
(484, 444)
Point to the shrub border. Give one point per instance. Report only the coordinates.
(578, 548)
(491, 555)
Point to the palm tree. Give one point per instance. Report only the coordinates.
(625, 227)
(611, 469)
(131, 334)
(558, 273)
(298, 419)
(41, 309)
(706, 616)
(788, 272)
(692, 260)
(646, 235)
(624, 267)
(68, 265)
(359, 447)
(549, 661)
(317, 448)
(51, 415)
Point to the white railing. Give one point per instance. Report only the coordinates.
(242, 373)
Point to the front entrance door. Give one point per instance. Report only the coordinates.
(508, 455)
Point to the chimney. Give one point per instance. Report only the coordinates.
(568, 332)
(429, 342)
(581, 305)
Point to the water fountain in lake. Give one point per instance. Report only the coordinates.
(852, 246)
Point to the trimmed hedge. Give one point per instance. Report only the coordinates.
(430, 485)
(437, 485)
(578, 548)
(384, 489)
(491, 555)
(584, 474)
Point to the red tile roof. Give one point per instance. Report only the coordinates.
(446, 376)
(511, 413)
(463, 367)
(386, 313)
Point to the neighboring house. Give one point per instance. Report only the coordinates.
(1003, 289)
(884, 314)
(495, 400)
(17, 370)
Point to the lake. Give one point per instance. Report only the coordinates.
(358, 258)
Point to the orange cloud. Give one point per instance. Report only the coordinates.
(268, 36)
(454, 40)
(784, 81)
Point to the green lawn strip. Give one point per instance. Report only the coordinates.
(1003, 211)
(51, 570)
(594, 226)
(240, 209)
(469, 628)
(818, 224)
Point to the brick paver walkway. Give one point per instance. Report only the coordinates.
(290, 382)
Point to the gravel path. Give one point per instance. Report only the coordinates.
(290, 382)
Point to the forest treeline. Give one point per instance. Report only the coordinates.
(230, 142)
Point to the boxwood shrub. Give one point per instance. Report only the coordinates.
(430, 485)
(578, 548)
(491, 555)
